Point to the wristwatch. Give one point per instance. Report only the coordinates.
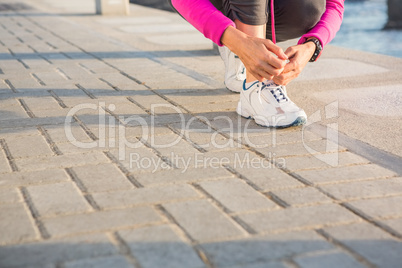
(318, 49)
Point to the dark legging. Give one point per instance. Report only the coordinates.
(293, 18)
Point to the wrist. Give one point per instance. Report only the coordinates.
(232, 38)
(318, 48)
(310, 47)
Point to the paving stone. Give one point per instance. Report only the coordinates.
(59, 133)
(330, 259)
(57, 199)
(268, 178)
(347, 173)
(101, 262)
(105, 177)
(117, 79)
(212, 107)
(50, 77)
(156, 104)
(395, 224)
(178, 148)
(37, 147)
(203, 221)
(139, 160)
(9, 195)
(328, 160)
(12, 113)
(33, 177)
(299, 149)
(203, 135)
(297, 218)
(96, 66)
(237, 196)
(61, 161)
(100, 221)
(182, 176)
(59, 113)
(160, 246)
(42, 103)
(239, 158)
(270, 264)
(142, 196)
(263, 249)
(302, 196)
(56, 250)
(375, 245)
(365, 189)
(211, 141)
(369, 104)
(280, 140)
(380, 207)
(16, 226)
(4, 163)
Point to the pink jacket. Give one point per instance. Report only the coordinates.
(212, 23)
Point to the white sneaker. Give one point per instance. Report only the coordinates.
(235, 72)
(268, 104)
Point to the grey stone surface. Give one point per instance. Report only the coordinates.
(377, 246)
(143, 196)
(380, 207)
(395, 224)
(328, 259)
(56, 250)
(347, 173)
(269, 178)
(99, 178)
(302, 196)
(57, 199)
(218, 212)
(101, 262)
(365, 189)
(160, 246)
(339, 68)
(10, 195)
(377, 101)
(61, 161)
(299, 218)
(327, 160)
(33, 178)
(100, 221)
(16, 225)
(264, 249)
(183, 176)
(203, 221)
(237, 196)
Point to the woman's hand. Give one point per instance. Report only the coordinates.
(261, 57)
(299, 56)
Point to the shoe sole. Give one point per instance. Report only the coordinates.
(238, 92)
(298, 122)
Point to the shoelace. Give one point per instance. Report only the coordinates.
(277, 92)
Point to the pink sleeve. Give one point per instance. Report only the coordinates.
(204, 17)
(326, 29)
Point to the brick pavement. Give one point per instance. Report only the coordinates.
(189, 184)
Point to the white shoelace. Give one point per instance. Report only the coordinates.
(276, 91)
